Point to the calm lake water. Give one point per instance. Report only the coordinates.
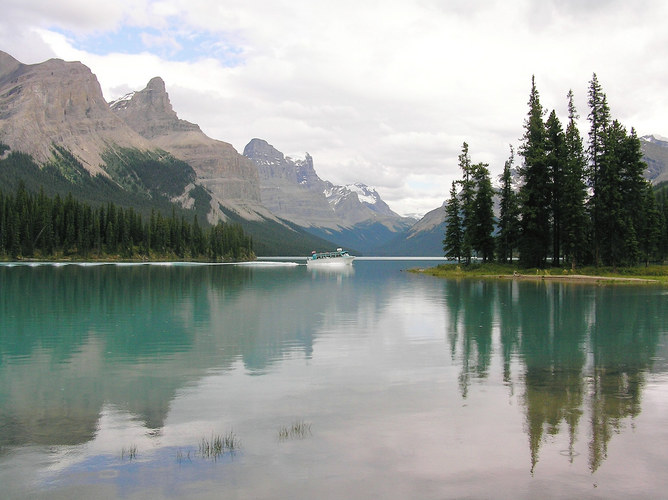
(375, 383)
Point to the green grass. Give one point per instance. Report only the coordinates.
(655, 272)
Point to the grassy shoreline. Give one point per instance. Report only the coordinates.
(656, 274)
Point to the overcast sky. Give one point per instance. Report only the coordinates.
(379, 92)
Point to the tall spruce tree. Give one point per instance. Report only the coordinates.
(651, 227)
(467, 202)
(661, 196)
(535, 200)
(616, 231)
(555, 151)
(633, 186)
(573, 220)
(599, 119)
(452, 244)
(482, 221)
(508, 214)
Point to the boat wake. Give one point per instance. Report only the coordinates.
(268, 263)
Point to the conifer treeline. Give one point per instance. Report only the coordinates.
(573, 206)
(38, 226)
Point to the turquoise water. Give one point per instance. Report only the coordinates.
(407, 386)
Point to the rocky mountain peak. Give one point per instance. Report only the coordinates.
(150, 111)
(261, 152)
(7, 64)
(219, 167)
(655, 154)
(656, 139)
(58, 102)
(291, 188)
(361, 194)
(272, 164)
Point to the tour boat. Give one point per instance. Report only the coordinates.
(339, 258)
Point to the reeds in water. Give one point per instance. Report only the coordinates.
(218, 444)
(297, 430)
(182, 457)
(130, 452)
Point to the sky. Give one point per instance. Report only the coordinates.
(378, 92)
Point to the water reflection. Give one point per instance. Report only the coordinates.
(73, 339)
(336, 271)
(581, 353)
(405, 370)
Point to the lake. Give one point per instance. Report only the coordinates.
(278, 381)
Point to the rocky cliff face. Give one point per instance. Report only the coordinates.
(655, 154)
(361, 201)
(59, 102)
(149, 112)
(353, 216)
(292, 189)
(229, 176)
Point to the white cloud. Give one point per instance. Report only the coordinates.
(377, 92)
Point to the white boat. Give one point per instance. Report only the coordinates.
(339, 258)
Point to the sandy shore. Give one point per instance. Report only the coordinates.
(579, 278)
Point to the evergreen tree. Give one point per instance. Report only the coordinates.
(3, 223)
(620, 197)
(661, 196)
(535, 199)
(555, 151)
(573, 220)
(467, 198)
(599, 118)
(482, 225)
(198, 247)
(634, 187)
(651, 227)
(452, 244)
(508, 214)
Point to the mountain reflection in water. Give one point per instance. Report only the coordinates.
(89, 353)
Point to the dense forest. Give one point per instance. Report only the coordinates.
(38, 226)
(565, 205)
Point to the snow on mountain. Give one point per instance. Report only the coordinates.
(655, 138)
(122, 102)
(363, 194)
(335, 194)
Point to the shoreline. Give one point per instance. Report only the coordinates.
(656, 275)
(576, 278)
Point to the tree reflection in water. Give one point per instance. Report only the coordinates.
(579, 352)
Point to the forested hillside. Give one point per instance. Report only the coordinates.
(141, 186)
(37, 226)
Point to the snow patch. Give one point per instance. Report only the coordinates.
(122, 101)
(365, 193)
(655, 138)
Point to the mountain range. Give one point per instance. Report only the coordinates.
(137, 151)
(55, 110)
(354, 215)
